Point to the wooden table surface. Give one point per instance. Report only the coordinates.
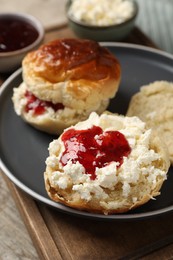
(59, 236)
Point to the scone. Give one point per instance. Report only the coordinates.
(154, 105)
(106, 164)
(64, 81)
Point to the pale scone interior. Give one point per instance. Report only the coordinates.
(154, 105)
(47, 116)
(117, 186)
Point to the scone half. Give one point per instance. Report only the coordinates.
(106, 164)
(154, 105)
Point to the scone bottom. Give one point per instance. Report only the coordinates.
(107, 164)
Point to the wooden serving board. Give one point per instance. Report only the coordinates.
(60, 236)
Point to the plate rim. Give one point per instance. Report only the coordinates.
(61, 207)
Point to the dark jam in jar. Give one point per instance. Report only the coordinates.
(16, 34)
(39, 106)
(94, 148)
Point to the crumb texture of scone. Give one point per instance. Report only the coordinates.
(154, 105)
(64, 81)
(106, 164)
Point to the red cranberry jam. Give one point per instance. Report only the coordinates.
(39, 106)
(16, 34)
(94, 148)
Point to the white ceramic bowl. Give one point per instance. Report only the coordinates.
(11, 60)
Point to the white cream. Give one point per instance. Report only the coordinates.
(102, 12)
(64, 114)
(138, 165)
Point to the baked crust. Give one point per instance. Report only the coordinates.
(83, 65)
(114, 202)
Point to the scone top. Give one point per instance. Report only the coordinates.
(75, 62)
(64, 58)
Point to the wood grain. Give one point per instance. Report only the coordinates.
(37, 228)
(15, 242)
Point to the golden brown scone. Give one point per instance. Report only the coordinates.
(154, 105)
(107, 164)
(79, 75)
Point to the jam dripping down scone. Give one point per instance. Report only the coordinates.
(154, 105)
(106, 164)
(64, 81)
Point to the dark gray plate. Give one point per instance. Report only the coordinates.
(23, 149)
